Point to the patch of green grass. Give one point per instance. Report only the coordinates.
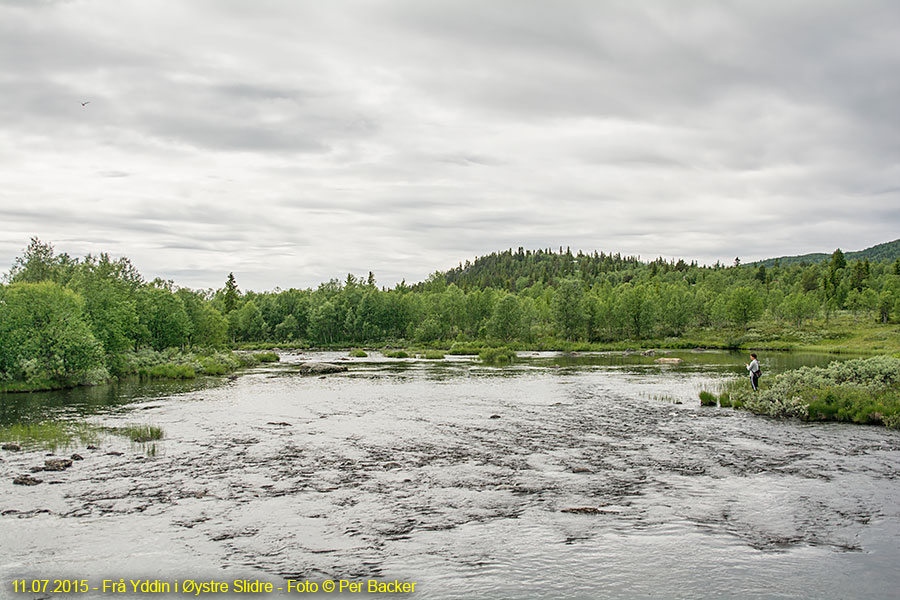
(168, 371)
(396, 354)
(708, 398)
(139, 433)
(359, 353)
(434, 355)
(266, 357)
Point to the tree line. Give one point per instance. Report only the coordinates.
(62, 317)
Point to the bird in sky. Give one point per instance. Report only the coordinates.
(85, 103)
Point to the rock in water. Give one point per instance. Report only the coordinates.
(57, 464)
(669, 361)
(26, 480)
(583, 510)
(11, 447)
(320, 368)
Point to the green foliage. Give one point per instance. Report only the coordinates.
(864, 391)
(266, 357)
(539, 299)
(44, 335)
(139, 433)
(359, 353)
(168, 371)
(708, 398)
(396, 354)
(434, 355)
(494, 356)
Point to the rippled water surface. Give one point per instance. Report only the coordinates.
(593, 476)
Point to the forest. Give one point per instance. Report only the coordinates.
(66, 321)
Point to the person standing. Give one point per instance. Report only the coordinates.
(753, 367)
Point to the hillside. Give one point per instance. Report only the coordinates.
(515, 270)
(887, 251)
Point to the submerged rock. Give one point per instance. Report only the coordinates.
(77, 457)
(26, 480)
(495, 417)
(583, 510)
(320, 368)
(57, 464)
(669, 361)
(11, 447)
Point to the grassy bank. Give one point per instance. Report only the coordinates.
(843, 333)
(864, 391)
(151, 364)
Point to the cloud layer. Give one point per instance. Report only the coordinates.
(294, 142)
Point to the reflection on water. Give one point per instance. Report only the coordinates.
(557, 477)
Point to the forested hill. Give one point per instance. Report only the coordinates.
(520, 269)
(887, 251)
(516, 270)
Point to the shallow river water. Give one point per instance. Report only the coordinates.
(592, 476)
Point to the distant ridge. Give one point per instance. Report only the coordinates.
(885, 251)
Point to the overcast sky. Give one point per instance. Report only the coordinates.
(291, 142)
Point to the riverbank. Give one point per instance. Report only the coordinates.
(864, 391)
(151, 364)
(840, 334)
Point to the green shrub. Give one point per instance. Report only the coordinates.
(434, 354)
(396, 354)
(266, 357)
(497, 355)
(358, 353)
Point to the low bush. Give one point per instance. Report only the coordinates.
(864, 391)
(396, 354)
(168, 371)
(266, 357)
(497, 355)
(358, 353)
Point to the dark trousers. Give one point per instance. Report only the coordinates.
(754, 381)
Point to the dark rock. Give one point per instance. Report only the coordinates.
(279, 423)
(26, 480)
(495, 417)
(114, 453)
(581, 470)
(92, 447)
(11, 447)
(320, 368)
(57, 464)
(648, 353)
(36, 469)
(77, 457)
(583, 510)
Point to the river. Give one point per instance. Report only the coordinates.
(561, 476)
